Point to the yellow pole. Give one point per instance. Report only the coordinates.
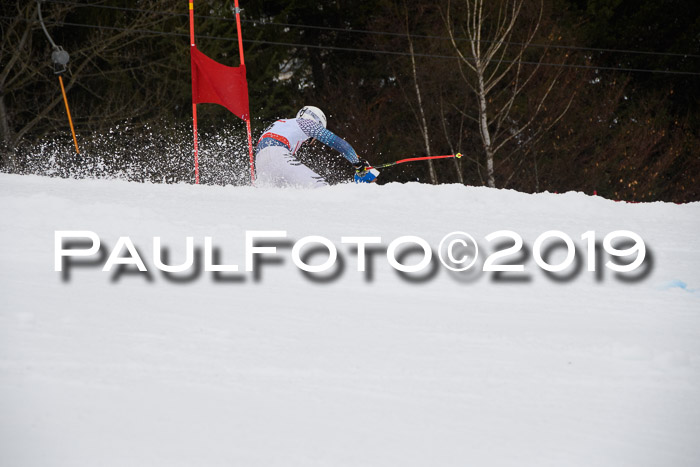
(70, 120)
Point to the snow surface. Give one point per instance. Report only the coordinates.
(362, 370)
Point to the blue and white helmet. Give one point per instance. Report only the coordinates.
(310, 112)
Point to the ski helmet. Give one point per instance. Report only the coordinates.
(310, 112)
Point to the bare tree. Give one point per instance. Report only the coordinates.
(421, 112)
(30, 98)
(491, 62)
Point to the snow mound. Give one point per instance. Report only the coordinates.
(278, 366)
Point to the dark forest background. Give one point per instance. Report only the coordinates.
(564, 116)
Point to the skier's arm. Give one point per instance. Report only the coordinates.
(330, 139)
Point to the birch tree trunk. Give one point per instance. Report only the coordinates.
(421, 112)
(484, 129)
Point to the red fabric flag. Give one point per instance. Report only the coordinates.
(214, 83)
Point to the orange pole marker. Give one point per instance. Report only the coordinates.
(70, 120)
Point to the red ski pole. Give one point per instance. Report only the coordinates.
(412, 159)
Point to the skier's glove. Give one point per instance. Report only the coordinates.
(361, 165)
(366, 176)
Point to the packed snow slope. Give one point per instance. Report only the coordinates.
(279, 368)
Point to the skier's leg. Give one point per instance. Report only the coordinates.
(275, 166)
(268, 166)
(298, 175)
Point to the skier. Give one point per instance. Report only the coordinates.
(274, 155)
